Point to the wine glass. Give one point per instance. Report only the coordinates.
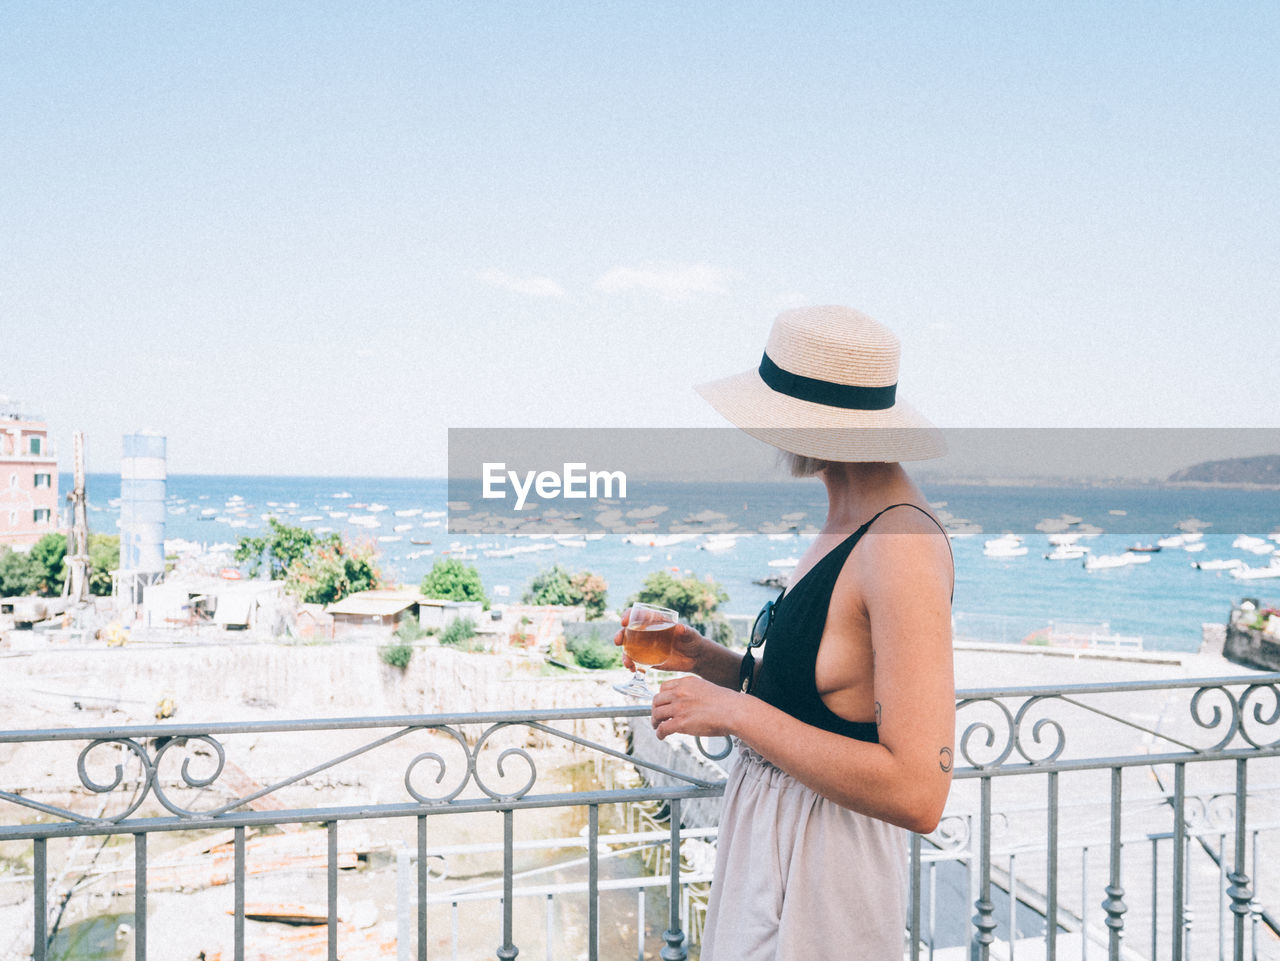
(648, 637)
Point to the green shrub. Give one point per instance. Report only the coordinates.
(594, 652)
(410, 629)
(555, 585)
(462, 635)
(451, 580)
(397, 655)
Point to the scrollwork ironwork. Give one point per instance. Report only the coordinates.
(507, 753)
(1036, 728)
(187, 779)
(718, 756)
(442, 765)
(1216, 718)
(1270, 720)
(979, 727)
(138, 751)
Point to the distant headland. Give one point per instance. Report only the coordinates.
(1261, 471)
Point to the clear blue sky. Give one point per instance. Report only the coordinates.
(308, 238)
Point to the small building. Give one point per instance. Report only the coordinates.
(438, 613)
(375, 611)
(236, 605)
(382, 611)
(28, 477)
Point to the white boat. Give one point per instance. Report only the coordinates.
(1067, 552)
(1008, 550)
(1219, 564)
(1102, 562)
(784, 562)
(1254, 545)
(1065, 540)
(1256, 573)
(1052, 525)
(718, 542)
(1177, 540)
(1008, 545)
(1195, 546)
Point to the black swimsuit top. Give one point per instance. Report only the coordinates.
(786, 677)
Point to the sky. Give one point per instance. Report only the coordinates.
(309, 238)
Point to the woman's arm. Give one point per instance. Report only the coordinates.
(904, 590)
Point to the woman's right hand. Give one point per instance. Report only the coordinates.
(684, 648)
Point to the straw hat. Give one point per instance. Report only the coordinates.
(827, 388)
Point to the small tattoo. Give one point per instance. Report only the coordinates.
(945, 760)
(877, 713)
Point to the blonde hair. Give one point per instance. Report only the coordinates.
(798, 465)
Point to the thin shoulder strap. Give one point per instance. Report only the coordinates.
(868, 524)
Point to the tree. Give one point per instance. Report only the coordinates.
(330, 571)
(104, 557)
(281, 547)
(555, 585)
(48, 560)
(19, 573)
(696, 601)
(452, 580)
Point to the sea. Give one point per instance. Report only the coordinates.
(752, 530)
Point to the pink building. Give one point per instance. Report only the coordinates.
(28, 478)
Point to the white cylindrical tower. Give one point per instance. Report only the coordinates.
(142, 512)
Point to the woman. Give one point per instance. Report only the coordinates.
(845, 727)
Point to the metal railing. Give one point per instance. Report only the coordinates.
(1064, 797)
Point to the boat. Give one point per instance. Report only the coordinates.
(1256, 573)
(1067, 552)
(784, 562)
(1192, 525)
(1177, 540)
(1145, 549)
(1008, 545)
(1254, 545)
(415, 541)
(1102, 562)
(1219, 564)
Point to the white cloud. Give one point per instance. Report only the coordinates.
(672, 282)
(528, 286)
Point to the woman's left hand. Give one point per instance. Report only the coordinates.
(691, 705)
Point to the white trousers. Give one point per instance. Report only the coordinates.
(800, 878)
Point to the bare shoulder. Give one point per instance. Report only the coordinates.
(905, 549)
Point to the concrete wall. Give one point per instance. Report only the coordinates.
(1251, 648)
(256, 681)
